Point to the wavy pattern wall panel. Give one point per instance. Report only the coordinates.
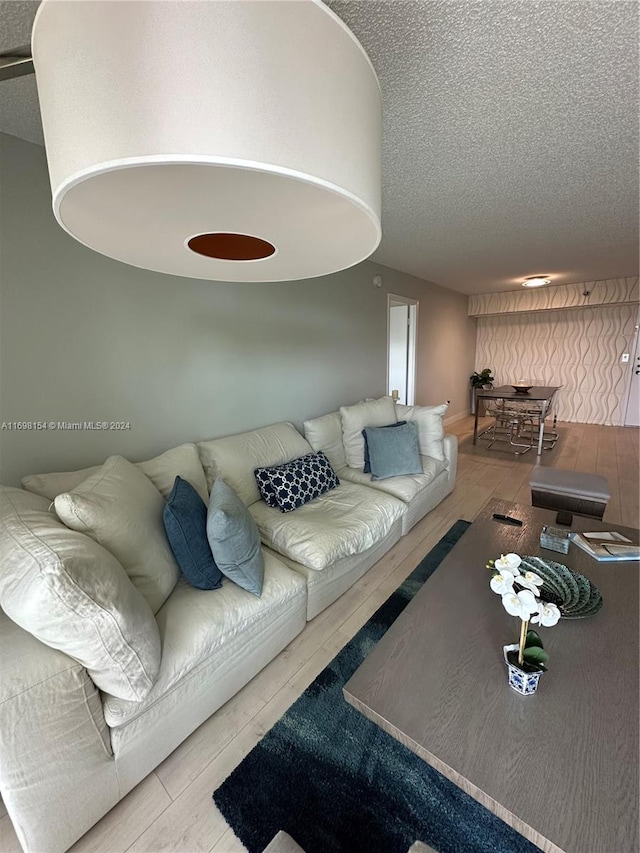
(607, 292)
(578, 349)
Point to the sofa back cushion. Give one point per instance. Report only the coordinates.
(430, 427)
(373, 413)
(325, 434)
(162, 470)
(73, 595)
(236, 457)
(120, 508)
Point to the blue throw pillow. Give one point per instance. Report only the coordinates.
(297, 482)
(234, 538)
(394, 452)
(185, 522)
(367, 462)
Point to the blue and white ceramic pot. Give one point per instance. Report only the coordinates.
(522, 682)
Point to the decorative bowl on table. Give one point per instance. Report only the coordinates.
(521, 387)
(573, 593)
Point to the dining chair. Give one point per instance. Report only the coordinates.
(531, 411)
(511, 426)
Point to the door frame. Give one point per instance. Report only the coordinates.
(634, 350)
(412, 356)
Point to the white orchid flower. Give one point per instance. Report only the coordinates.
(548, 614)
(502, 583)
(510, 562)
(530, 580)
(522, 604)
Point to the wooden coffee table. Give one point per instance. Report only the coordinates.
(560, 766)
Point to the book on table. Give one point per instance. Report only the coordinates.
(607, 546)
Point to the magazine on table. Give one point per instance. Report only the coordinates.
(607, 546)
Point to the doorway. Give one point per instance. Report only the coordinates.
(632, 416)
(402, 330)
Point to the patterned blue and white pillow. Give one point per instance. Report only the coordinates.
(297, 482)
(263, 477)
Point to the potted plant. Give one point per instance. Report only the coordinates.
(484, 379)
(520, 594)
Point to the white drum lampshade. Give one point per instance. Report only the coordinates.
(232, 140)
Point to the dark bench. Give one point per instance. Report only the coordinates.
(574, 491)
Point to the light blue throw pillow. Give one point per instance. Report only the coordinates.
(367, 463)
(185, 522)
(234, 538)
(393, 452)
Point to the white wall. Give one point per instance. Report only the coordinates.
(86, 338)
(572, 335)
(579, 349)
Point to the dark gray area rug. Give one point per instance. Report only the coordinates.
(336, 782)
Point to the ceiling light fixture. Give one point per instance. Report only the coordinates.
(217, 140)
(536, 281)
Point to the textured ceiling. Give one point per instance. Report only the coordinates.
(510, 134)
(19, 110)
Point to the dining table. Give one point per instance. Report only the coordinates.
(543, 394)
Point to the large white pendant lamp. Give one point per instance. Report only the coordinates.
(236, 140)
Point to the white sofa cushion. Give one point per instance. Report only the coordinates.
(201, 628)
(120, 508)
(236, 457)
(73, 595)
(53, 484)
(405, 487)
(325, 433)
(183, 461)
(345, 521)
(430, 427)
(162, 470)
(355, 418)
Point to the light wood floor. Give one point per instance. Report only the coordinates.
(172, 809)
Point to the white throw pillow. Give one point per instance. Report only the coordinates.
(355, 418)
(120, 508)
(430, 427)
(161, 470)
(73, 595)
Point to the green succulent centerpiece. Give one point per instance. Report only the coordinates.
(520, 594)
(479, 380)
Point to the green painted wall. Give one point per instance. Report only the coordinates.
(86, 338)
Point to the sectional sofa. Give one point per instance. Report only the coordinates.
(105, 668)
